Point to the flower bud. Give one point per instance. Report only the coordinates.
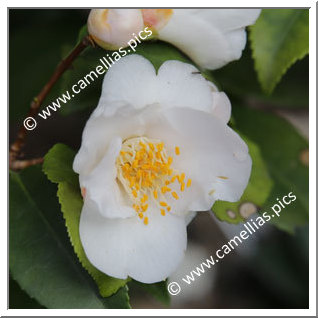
(113, 28)
(156, 19)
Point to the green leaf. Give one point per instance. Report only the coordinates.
(157, 52)
(291, 92)
(279, 38)
(120, 300)
(41, 258)
(19, 299)
(158, 290)
(58, 165)
(82, 33)
(256, 192)
(58, 168)
(282, 149)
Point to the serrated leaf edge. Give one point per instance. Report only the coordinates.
(268, 90)
(113, 290)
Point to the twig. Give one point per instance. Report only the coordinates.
(21, 164)
(17, 145)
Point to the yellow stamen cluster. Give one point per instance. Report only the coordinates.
(144, 170)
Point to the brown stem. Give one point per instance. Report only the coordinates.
(17, 145)
(21, 164)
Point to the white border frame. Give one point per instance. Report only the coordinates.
(312, 155)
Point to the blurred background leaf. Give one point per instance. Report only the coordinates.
(240, 79)
(282, 149)
(19, 299)
(158, 290)
(41, 257)
(35, 51)
(85, 63)
(279, 38)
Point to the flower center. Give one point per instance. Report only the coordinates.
(144, 169)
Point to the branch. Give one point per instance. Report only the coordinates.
(17, 145)
(21, 164)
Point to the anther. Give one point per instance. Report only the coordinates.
(175, 195)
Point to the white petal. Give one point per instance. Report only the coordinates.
(221, 106)
(237, 41)
(133, 81)
(203, 43)
(211, 37)
(229, 19)
(189, 217)
(130, 81)
(127, 247)
(210, 151)
(100, 130)
(102, 190)
(181, 85)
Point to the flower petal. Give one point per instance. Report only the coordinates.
(181, 85)
(133, 81)
(100, 130)
(102, 190)
(130, 81)
(211, 41)
(126, 247)
(221, 106)
(212, 155)
(229, 19)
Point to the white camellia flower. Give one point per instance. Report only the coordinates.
(156, 149)
(210, 37)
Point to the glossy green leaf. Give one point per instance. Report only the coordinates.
(58, 165)
(58, 168)
(41, 258)
(157, 52)
(279, 38)
(256, 192)
(291, 92)
(282, 149)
